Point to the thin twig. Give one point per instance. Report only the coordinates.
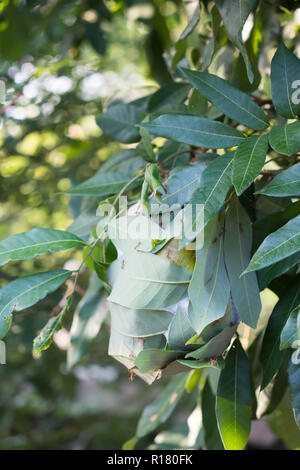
(10, 103)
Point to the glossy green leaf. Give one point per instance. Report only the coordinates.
(286, 183)
(45, 337)
(37, 242)
(212, 437)
(234, 16)
(168, 97)
(25, 292)
(103, 184)
(119, 122)
(194, 130)
(134, 233)
(162, 407)
(147, 281)
(180, 331)
(294, 381)
(291, 330)
(277, 246)
(270, 397)
(214, 185)
(153, 359)
(282, 423)
(285, 139)
(195, 18)
(248, 161)
(285, 71)
(237, 248)
(193, 380)
(196, 364)
(233, 102)
(209, 288)
(273, 221)
(233, 407)
(181, 185)
(266, 275)
(139, 323)
(271, 356)
(54, 324)
(130, 348)
(215, 346)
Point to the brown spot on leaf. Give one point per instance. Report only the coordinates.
(173, 398)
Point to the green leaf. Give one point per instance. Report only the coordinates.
(139, 323)
(130, 444)
(194, 130)
(282, 423)
(153, 359)
(212, 437)
(180, 331)
(291, 330)
(196, 364)
(285, 139)
(266, 275)
(216, 40)
(277, 246)
(36, 242)
(25, 292)
(216, 346)
(233, 407)
(193, 380)
(162, 407)
(273, 221)
(209, 288)
(191, 24)
(44, 339)
(181, 44)
(233, 102)
(214, 185)
(147, 281)
(119, 122)
(167, 97)
(152, 177)
(54, 324)
(294, 380)
(248, 161)
(87, 322)
(285, 71)
(237, 248)
(134, 233)
(269, 398)
(286, 183)
(181, 185)
(271, 356)
(145, 148)
(234, 17)
(130, 348)
(104, 184)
